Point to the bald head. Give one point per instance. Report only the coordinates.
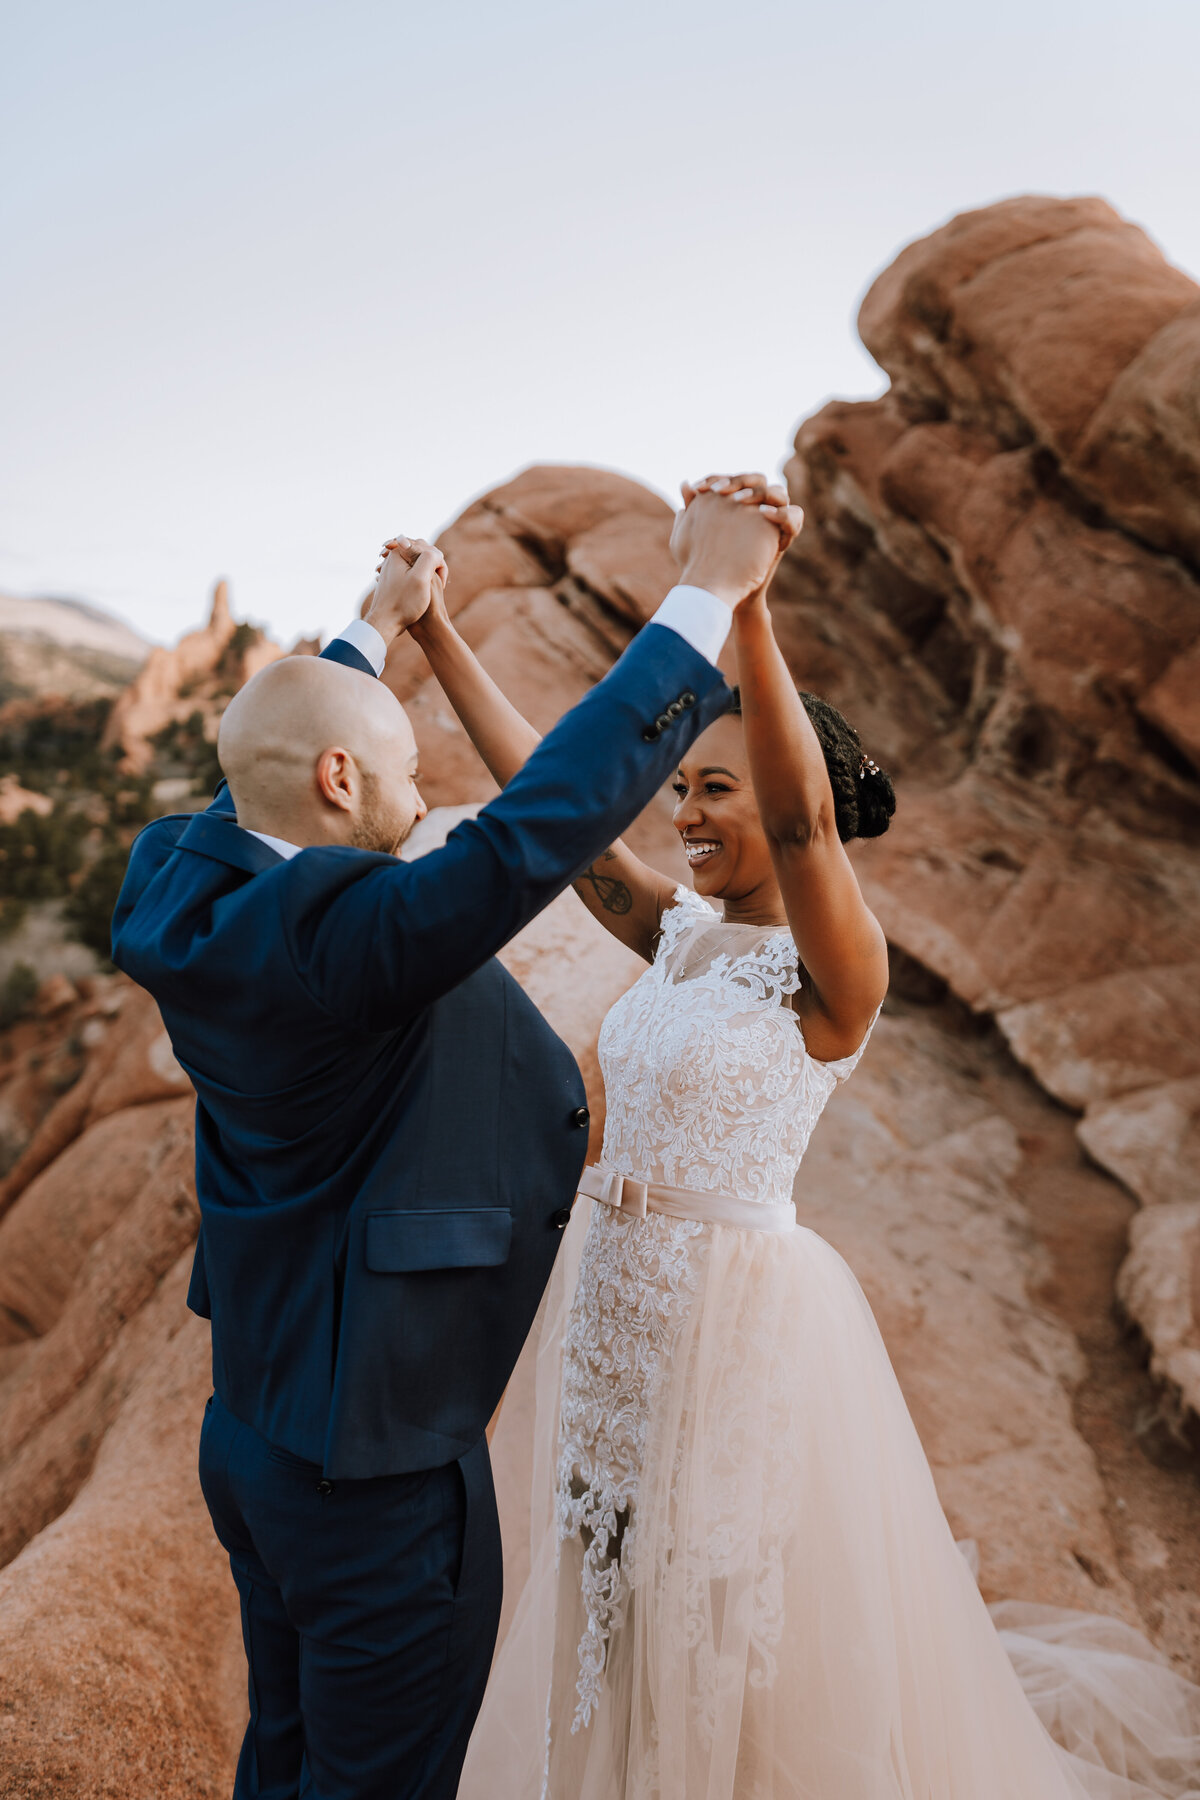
(319, 754)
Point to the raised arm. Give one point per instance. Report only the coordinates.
(431, 922)
(375, 940)
(718, 550)
(625, 894)
(840, 942)
(363, 643)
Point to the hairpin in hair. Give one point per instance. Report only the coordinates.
(865, 766)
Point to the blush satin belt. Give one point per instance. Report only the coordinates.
(637, 1198)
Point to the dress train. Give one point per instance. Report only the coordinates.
(842, 1653)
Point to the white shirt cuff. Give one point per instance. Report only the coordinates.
(698, 617)
(367, 641)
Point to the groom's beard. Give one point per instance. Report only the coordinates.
(378, 827)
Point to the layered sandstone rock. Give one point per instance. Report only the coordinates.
(1159, 1285)
(121, 1636)
(596, 542)
(1017, 517)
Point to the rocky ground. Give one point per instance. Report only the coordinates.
(998, 582)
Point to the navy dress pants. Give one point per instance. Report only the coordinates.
(369, 1613)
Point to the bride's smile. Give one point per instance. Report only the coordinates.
(700, 851)
(723, 839)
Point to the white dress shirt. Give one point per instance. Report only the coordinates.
(694, 614)
(279, 845)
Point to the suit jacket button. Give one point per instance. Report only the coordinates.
(663, 720)
(324, 1487)
(562, 1218)
(581, 1117)
(675, 709)
(651, 733)
(687, 698)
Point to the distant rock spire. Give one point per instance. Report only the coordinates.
(220, 619)
(197, 675)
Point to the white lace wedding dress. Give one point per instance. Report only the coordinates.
(743, 1586)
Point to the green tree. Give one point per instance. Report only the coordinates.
(89, 910)
(17, 994)
(39, 854)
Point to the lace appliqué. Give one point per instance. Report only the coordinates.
(706, 1075)
(634, 1282)
(709, 1087)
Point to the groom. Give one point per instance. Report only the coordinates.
(388, 1140)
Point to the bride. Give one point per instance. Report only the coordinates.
(743, 1586)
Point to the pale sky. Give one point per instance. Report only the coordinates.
(281, 279)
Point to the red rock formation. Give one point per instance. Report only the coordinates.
(200, 673)
(1056, 322)
(597, 541)
(1017, 517)
(123, 1671)
(120, 1645)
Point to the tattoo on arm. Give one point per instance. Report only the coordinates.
(611, 892)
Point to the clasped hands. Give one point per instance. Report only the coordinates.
(729, 538)
(732, 534)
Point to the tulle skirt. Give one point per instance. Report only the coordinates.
(795, 1620)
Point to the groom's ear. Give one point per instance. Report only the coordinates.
(336, 777)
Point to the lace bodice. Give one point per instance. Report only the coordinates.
(708, 1081)
(709, 1086)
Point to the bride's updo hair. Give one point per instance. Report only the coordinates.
(863, 796)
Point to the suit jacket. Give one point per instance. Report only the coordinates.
(388, 1133)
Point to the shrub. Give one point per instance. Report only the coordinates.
(89, 910)
(17, 994)
(12, 913)
(62, 739)
(39, 855)
(184, 744)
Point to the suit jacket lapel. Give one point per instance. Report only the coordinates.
(223, 841)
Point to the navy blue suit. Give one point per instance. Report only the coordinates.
(388, 1138)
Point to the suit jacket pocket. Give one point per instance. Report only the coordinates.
(405, 1242)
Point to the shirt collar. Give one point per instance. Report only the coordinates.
(279, 845)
